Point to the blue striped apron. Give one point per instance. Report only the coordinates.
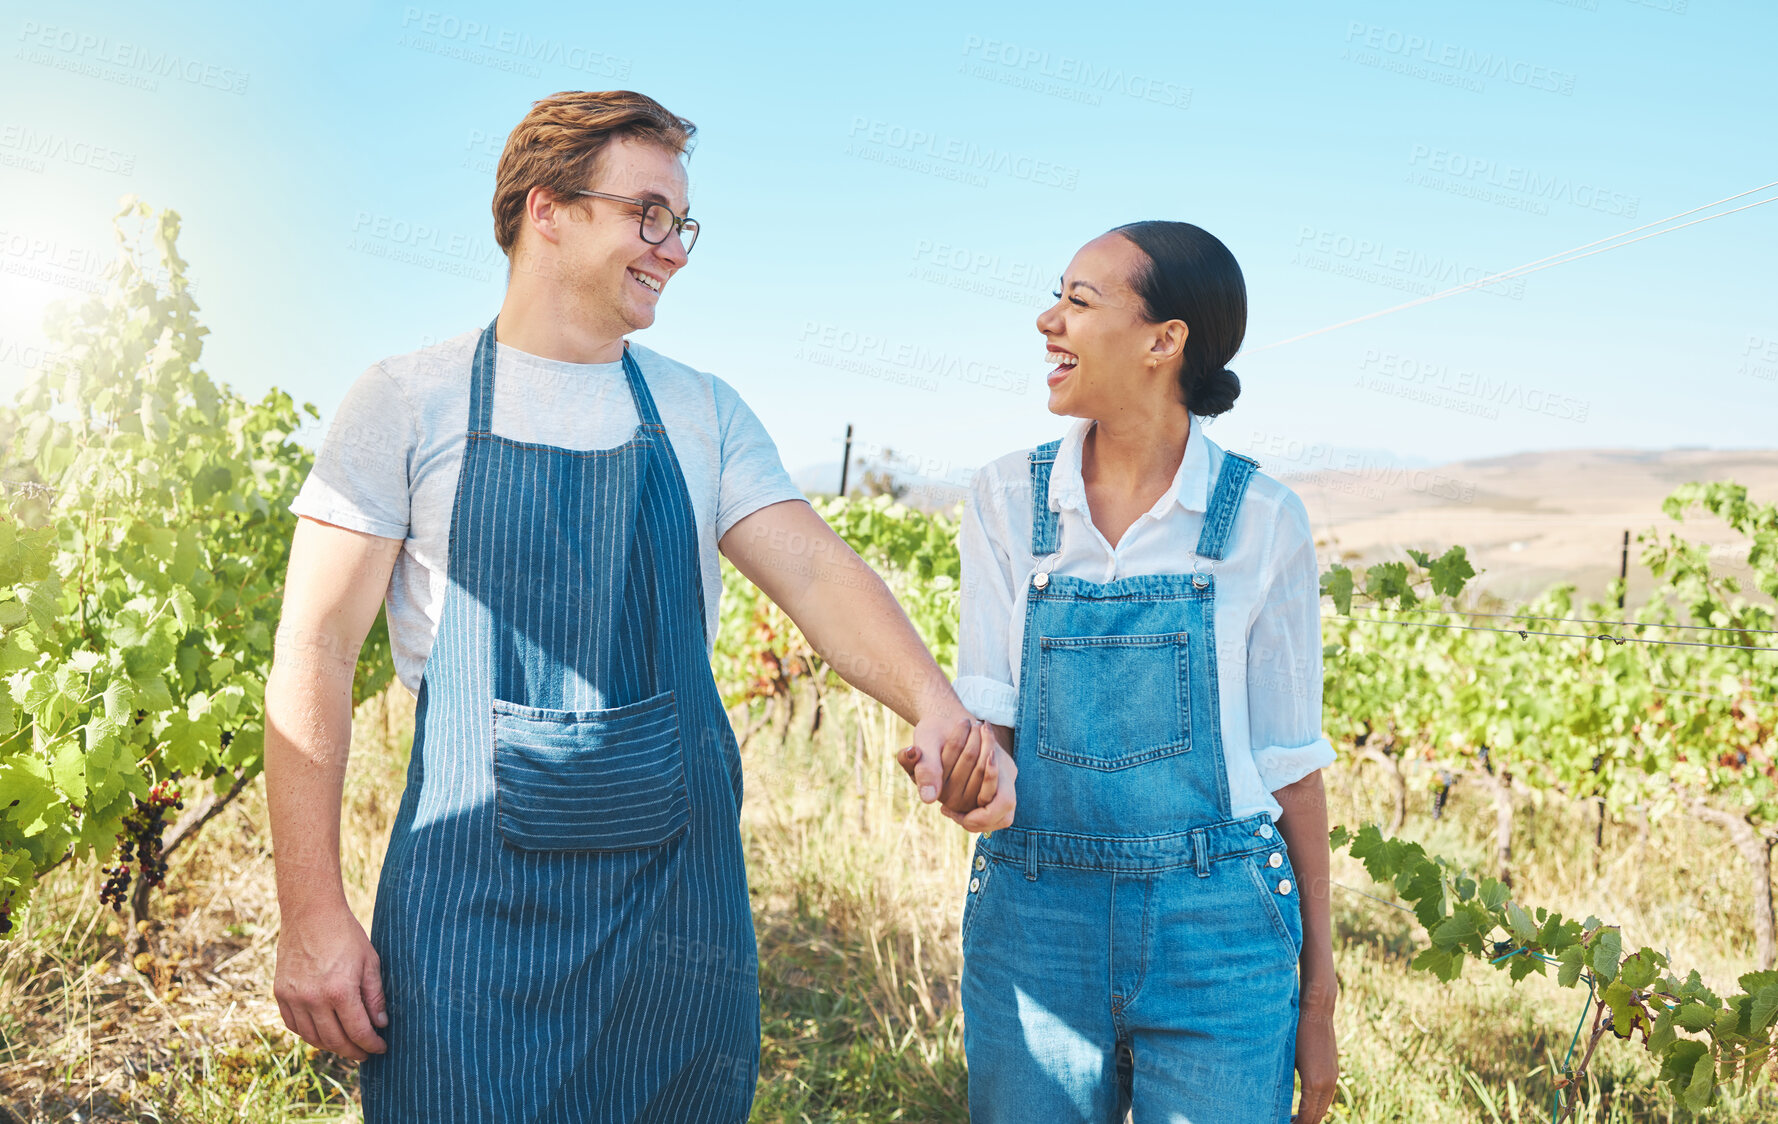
(562, 916)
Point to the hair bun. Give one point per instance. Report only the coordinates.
(1214, 393)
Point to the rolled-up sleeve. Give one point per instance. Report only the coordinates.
(1284, 658)
(984, 669)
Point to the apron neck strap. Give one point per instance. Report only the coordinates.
(481, 382)
(645, 411)
(481, 385)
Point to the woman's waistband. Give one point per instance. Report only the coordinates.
(1198, 846)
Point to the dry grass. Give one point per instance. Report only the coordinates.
(856, 893)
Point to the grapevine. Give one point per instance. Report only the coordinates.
(144, 535)
(1468, 917)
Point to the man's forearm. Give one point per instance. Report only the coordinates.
(852, 620)
(308, 734)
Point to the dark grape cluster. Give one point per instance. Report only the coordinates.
(140, 843)
(1442, 794)
(5, 915)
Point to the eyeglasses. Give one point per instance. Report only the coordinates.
(658, 220)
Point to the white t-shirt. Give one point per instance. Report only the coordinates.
(389, 463)
(1268, 601)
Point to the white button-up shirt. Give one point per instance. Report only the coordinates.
(1267, 607)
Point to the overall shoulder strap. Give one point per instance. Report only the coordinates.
(1045, 537)
(1225, 501)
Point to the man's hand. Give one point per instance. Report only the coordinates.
(961, 764)
(329, 984)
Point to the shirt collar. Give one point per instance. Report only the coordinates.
(1191, 483)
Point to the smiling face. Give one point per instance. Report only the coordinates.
(1105, 357)
(599, 253)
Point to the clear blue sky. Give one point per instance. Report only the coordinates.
(888, 192)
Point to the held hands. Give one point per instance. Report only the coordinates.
(961, 764)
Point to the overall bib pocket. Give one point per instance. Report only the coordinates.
(1111, 702)
(589, 780)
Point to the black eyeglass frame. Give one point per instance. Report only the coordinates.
(678, 226)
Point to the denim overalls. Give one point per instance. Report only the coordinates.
(1127, 945)
(562, 915)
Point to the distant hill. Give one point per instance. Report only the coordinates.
(1530, 519)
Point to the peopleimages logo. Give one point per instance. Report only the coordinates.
(1018, 64)
(118, 60)
(1457, 61)
(1396, 267)
(964, 155)
(870, 354)
(447, 28)
(1463, 170)
(34, 148)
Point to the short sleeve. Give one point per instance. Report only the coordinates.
(984, 668)
(360, 479)
(750, 475)
(1284, 658)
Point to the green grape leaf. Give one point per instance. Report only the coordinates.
(1521, 924)
(119, 701)
(1608, 948)
(1446, 965)
(1337, 584)
(1663, 1035)
(1765, 1007)
(1703, 1083)
(1639, 971)
(69, 770)
(1450, 572)
(1573, 959)
(28, 782)
(1694, 1016)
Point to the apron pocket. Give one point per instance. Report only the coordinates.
(589, 780)
(1110, 702)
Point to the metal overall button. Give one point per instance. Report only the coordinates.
(1284, 885)
(1276, 860)
(1265, 831)
(980, 862)
(975, 884)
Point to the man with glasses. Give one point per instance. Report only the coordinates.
(562, 929)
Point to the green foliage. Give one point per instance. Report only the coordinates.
(1609, 717)
(143, 546)
(759, 649)
(1477, 919)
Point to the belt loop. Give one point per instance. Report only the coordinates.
(1199, 859)
(1030, 856)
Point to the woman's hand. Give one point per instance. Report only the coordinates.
(1317, 1054)
(962, 765)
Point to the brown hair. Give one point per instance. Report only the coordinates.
(558, 143)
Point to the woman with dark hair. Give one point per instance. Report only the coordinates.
(1141, 626)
